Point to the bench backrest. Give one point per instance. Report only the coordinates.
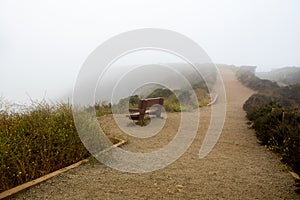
(147, 103)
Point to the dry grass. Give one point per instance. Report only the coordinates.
(37, 141)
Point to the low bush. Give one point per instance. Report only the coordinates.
(37, 141)
(280, 132)
(172, 100)
(102, 108)
(276, 116)
(248, 78)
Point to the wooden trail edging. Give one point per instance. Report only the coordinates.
(24, 186)
(213, 101)
(294, 175)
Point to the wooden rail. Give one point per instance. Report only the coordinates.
(213, 101)
(29, 184)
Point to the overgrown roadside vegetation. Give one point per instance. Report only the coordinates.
(275, 114)
(37, 141)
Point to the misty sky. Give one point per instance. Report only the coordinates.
(44, 43)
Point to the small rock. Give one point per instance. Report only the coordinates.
(179, 186)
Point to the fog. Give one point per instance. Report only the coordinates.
(44, 43)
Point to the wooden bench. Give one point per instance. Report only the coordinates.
(142, 110)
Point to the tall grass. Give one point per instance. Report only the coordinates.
(37, 141)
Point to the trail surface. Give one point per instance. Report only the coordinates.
(237, 168)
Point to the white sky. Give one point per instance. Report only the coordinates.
(44, 43)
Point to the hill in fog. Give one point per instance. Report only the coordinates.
(287, 75)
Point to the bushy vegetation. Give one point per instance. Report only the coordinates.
(253, 106)
(123, 105)
(171, 102)
(275, 115)
(248, 78)
(280, 131)
(102, 108)
(37, 141)
(287, 75)
(172, 99)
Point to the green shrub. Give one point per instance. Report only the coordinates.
(172, 107)
(276, 116)
(281, 135)
(38, 141)
(172, 100)
(161, 92)
(102, 108)
(249, 79)
(125, 103)
(278, 131)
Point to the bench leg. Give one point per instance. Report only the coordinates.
(141, 119)
(158, 113)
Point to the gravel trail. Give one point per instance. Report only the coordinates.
(237, 168)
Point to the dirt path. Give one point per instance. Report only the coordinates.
(237, 168)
